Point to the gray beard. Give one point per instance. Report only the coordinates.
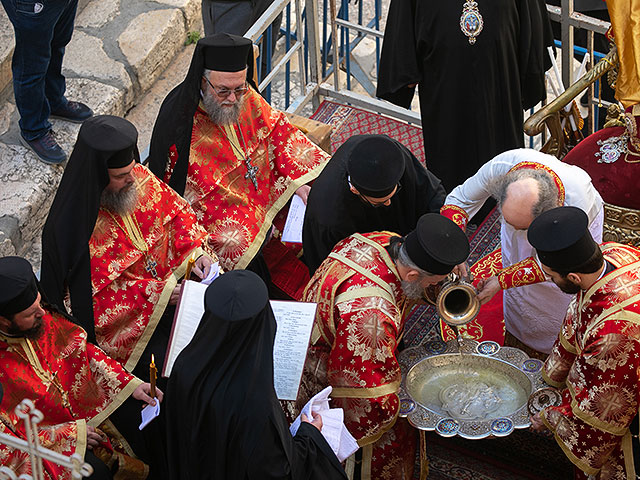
(221, 115)
(412, 290)
(122, 202)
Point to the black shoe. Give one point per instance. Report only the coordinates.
(46, 148)
(75, 112)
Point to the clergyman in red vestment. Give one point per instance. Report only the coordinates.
(45, 358)
(596, 358)
(236, 160)
(118, 241)
(361, 291)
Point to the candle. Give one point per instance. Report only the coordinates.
(153, 374)
(190, 264)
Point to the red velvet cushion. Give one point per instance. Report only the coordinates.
(617, 182)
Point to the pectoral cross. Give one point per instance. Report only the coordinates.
(251, 172)
(150, 266)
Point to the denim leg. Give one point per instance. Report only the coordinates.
(34, 23)
(54, 87)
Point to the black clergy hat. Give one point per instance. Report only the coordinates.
(235, 296)
(18, 286)
(562, 239)
(225, 52)
(115, 137)
(437, 244)
(375, 165)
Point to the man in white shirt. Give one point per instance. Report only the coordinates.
(526, 183)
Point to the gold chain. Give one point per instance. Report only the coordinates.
(236, 144)
(45, 375)
(132, 230)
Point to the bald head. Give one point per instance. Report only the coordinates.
(523, 194)
(520, 200)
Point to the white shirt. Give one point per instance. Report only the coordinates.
(532, 313)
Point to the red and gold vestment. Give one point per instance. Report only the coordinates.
(220, 187)
(131, 288)
(358, 325)
(72, 382)
(597, 357)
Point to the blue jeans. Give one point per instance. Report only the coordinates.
(43, 28)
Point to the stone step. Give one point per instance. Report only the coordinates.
(118, 51)
(7, 44)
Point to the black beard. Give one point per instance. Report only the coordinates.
(221, 115)
(122, 201)
(32, 333)
(568, 287)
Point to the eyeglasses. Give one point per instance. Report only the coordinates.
(224, 92)
(377, 204)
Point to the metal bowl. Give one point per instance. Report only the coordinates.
(473, 390)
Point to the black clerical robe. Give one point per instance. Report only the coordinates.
(334, 212)
(471, 96)
(223, 420)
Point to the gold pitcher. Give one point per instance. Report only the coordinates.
(456, 300)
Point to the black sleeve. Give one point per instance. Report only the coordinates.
(317, 243)
(310, 457)
(399, 65)
(535, 37)
(429, 189)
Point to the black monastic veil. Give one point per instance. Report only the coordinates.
(66, 262)
(223, 418)
(334, 212)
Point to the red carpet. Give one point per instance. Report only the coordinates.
(523, 455)
(348, 121)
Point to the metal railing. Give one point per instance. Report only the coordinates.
(315, 73)
(570, 20)
(310, 32)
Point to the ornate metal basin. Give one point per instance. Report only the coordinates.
(473, 390)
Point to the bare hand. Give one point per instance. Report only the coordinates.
(487, 288)
(202, 266)
(143, 393)
(317, 421)
(175, 295)
(462, 271)
(537, 424)
(94, 438)
(303, 193)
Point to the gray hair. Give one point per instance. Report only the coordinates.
(398, 253)
(547, 190)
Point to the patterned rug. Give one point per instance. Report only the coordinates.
(523, 455)
(348, 121)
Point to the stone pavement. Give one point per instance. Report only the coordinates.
(119, 49)
(124, 57)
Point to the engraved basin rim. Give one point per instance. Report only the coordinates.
(451, 361)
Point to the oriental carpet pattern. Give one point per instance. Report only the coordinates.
(523, 455)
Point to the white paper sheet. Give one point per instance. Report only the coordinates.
(187, 318)
(292, 231)
(295, 320)
(214, 272)
(333, 428)
(149, 413)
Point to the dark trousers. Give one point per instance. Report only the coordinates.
(43, 28)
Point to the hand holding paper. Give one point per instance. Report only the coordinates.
(333, 429)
